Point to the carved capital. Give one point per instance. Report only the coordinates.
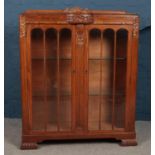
(22, 26)
(78, 16)
(136, 28)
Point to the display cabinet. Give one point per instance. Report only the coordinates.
(78, 75)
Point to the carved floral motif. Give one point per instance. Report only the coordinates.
(78, 16)
(22, 26)
(80, 38)
(135, 28)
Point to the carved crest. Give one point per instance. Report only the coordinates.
(78, 16)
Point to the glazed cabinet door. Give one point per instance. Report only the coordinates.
(108, 59)
(51, 79)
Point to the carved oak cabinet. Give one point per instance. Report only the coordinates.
(78, 75)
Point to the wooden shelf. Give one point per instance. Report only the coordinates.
(104, 126)
(54, 95)
(106, 94)
(48, 58)
(107, 59)
(65, 126)
(63, 58)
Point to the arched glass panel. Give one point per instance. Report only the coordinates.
(107, 60)
(120, 83)
(65, 67)
(37, 75)
(94, 78)
(107, 79)
(51, 78)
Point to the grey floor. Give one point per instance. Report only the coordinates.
(13, 135)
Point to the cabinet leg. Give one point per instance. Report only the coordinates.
(128, 142)
(28, 145)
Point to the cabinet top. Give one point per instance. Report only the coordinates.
(78, 15)
(79, 10)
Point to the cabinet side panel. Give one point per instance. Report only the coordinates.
(132, 77)
(25, 116)
(134, 69)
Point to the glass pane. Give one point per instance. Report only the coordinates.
(106, 94)
(51, 90)
(65, 77)
(37, 69)
(38, 115)
(120, 86)
(100, 79)
(94, 77)
(51, 113)
(51, 79)
(93, 111)
(106, 112)
(65, 66)
(65, 113)
(107, 79)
